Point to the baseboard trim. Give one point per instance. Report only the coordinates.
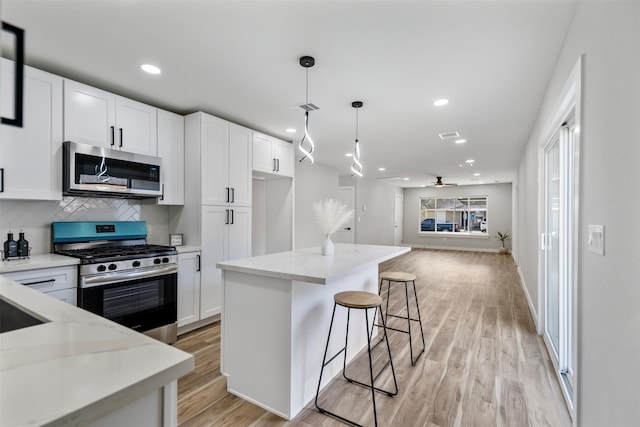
(197, 325)
(532, 309)
(453, 248)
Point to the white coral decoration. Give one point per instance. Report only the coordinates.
(331, 214)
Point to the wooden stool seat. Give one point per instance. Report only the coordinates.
(358, 299)
(398, 276)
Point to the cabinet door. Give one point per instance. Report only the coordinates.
(69, 296)
(171, 150)
(214, 249)
(284, 156)
(89, 115)
(136, 127)
(240, 165)
(263, 156)
(239, 233)
(214, 160)
(31, 156)
(188, 288)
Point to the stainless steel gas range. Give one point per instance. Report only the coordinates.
(120, 276)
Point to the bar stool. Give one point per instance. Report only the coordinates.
(406, 278)
(363, 301)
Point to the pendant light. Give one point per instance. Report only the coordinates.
(356, 166)
(307, 62)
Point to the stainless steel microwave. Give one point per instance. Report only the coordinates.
(103, 172)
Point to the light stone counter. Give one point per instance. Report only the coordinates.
(80, 369)
(37, 261)
(276, 312)
(309, 265)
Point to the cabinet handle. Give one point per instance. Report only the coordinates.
(278, 163)
(233, 195)
(231, 216)
(198, 258)
(1, 180)
(40, 282)
(18, 93)
(226, 216)
(162, 195)
(227, 197)
(113, 136)
(121, 137)
(274, 164)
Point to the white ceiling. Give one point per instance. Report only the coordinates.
(239, 60)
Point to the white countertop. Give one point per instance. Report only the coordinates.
(78, 366)
(37, 261)
(309, 265)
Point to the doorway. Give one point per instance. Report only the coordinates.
(346, 233)
(398, 219)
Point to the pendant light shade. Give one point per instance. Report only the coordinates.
(306, 145)
(356, 166)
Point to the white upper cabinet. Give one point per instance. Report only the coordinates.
(272, 155)
(171, 151)
(225, 162)
(31, 156)
(97, 117)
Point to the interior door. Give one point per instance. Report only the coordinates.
(346, 233)
(398, 219)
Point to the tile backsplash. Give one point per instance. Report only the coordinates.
(35, 217)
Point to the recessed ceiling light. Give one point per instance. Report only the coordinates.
(405, 179)
(382, 169)
(348, 154)
(469, 161)
(476, 174)
(151, 69)
(460, 141)
(440, 102)
(291, 130)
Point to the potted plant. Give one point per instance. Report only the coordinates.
(503, 236)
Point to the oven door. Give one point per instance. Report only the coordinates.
(141, 303)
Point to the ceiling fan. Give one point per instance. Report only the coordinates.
(440, 184)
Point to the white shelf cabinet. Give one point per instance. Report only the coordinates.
(97, 117)
(31, 156)
(171, 151)
(58, 282)
(272, 155)
(188, 288)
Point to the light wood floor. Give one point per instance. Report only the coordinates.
(484, 364)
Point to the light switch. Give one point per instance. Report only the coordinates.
(596, 239)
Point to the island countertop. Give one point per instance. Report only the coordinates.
(76, 367)
(309, 265)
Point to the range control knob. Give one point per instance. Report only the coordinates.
(112, 266)
(165, 260)
(101, 267)
(136, 263)
(157, 261)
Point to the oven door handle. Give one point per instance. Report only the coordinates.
(107, 279)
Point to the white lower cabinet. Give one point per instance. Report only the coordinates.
(228, 236)
(188, 288)
(58, 282)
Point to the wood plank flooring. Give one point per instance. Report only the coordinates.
(484, 365)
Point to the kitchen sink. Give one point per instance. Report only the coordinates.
(13, 317)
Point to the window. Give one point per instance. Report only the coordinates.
(453, 215)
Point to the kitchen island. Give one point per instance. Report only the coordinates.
(275, 319)
(76, 368)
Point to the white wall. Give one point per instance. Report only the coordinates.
(374, 210)
(312, 183)
(498, 216)
(607, 33)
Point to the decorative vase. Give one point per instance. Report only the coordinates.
(327, 246)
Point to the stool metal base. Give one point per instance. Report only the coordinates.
(408, 317)
(373, 377)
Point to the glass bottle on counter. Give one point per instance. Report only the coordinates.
(10, 247)
(23, 245)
